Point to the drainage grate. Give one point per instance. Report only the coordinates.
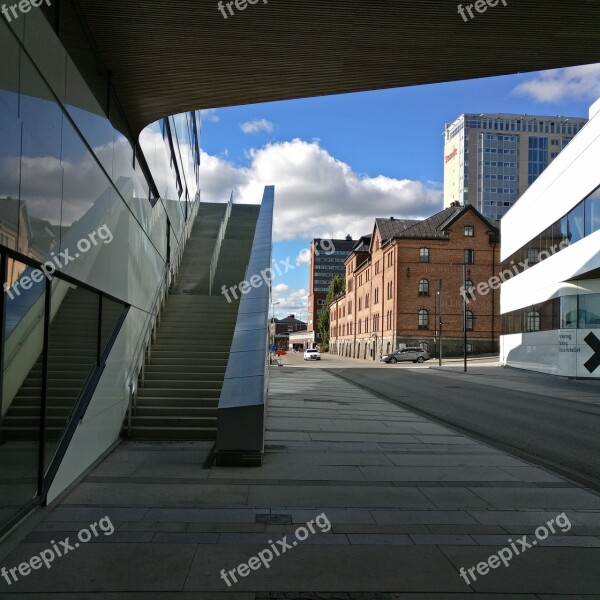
(274, 519)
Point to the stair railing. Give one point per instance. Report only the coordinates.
(143, 352)
(217, 251)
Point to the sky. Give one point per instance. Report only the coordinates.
(338, 162)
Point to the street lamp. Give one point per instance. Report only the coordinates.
(439, 316)
(464, 295)
(273, 326)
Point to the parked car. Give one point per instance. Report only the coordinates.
(416, 355)
(312, 354)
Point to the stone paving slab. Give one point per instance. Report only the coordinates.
(538, 570)
(409, 503)
(329, 568)
(106, 567)
(313, 496)
(159, 494)
(446, 473)
(539, 498)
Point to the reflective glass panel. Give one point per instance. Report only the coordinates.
(589, 311)
(22, 390)
(72, 353)
(592, 212)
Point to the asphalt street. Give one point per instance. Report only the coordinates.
(560, 431)
(548, 425)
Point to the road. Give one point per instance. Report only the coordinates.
(553, 421)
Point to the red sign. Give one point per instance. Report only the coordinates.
(452, 154)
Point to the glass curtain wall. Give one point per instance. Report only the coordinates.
(87, 218)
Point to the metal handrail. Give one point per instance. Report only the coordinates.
(139, 361)
(219, 241)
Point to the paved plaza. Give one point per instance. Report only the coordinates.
(409, 502)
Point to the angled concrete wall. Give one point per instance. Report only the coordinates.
(241, 412)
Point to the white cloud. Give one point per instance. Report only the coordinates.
(256, 126)
(316, 195)
(303, 257)
(556, 85)
(280, 288)
(294, 303)
(209, 114)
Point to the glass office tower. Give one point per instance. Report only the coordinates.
(491, 159)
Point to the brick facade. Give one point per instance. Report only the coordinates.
(392, 295)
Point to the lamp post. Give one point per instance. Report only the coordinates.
(465, 314)
(439, 316)
(273, 326)
(464, 295)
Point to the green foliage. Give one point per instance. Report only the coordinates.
(336, 288)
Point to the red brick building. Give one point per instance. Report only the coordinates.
(406, 278)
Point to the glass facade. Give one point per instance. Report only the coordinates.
(567, 312)
(538, 157)
(92, 223)
(581, 221)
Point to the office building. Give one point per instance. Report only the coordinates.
(551, 304)
(326, 261)
(406, 278)
(491, 159)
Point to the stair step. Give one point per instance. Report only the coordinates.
(188, 384)
(176, 411)
(216, 366)
(172, 421)
(34, 411)
(174, 433)
(176, 402)
(178, 393)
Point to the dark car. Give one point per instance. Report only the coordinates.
(416, 355)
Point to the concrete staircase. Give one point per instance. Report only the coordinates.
(179, 397)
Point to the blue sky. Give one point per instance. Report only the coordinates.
(340, 161)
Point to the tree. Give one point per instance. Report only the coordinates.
(336, 288)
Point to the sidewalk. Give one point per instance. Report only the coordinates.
(526, 381)
(410, 503)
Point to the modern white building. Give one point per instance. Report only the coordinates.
(551, 238)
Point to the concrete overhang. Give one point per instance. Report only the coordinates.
(168, 56)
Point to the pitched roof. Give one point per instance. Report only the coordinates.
(291, 319)
(363, 244)
(389, 228)
(433, 227)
